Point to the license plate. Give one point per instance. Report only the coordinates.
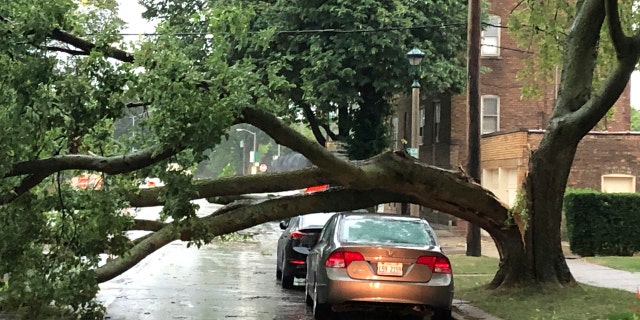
(389, 269)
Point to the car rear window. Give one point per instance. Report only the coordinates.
(314, 220)
(385, 231)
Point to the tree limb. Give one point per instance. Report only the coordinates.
(271, 182)
(313, 123)
(627, 54)
(87, 46)
(147, 225)
(65, 50)
(26, 185)
(111, 165)
(618, 38)
(579, 60)
(286, 136)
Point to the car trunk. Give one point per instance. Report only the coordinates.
(390, 263)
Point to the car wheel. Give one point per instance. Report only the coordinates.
(308, 299)
(322, 311)
(442, 314)
(287, 280)
(278, 273)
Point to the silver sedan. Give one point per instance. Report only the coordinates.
(379, 262)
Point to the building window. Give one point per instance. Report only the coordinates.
(490, 114)
(491, 37)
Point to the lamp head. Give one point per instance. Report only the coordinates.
(415, 56)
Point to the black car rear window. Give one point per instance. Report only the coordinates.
(385, 231)
(314, 220)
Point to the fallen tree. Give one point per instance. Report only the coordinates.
(66, 109)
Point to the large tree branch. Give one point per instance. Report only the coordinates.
(111, 165)
(619, 40)
(87, 46)
(26, 185)
(313, 123)
(141, 250)
(342, 170)
(242, 185)
(234, 218)
(579, 60)
(627, 53)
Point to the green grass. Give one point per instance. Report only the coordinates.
(631, 264)
(472, 275)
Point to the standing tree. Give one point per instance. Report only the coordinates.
(68, 76)
(345, 60)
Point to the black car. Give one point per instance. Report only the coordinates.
(299, 236)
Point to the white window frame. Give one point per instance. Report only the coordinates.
(490, 37)
(484, 116)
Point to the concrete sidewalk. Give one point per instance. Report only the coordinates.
(583, 272)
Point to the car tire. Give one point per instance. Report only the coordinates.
(308, 301)
(278, 273)
(322, 311)
(287, 280)
(442, 314)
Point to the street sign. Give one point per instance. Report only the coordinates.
(413, 152)
(263, 167)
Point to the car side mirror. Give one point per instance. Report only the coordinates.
(284, 224)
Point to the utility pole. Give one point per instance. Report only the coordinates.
(474, 247)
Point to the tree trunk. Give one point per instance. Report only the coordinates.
(537, 257)
(549, 169)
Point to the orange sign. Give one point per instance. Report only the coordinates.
(316, 188)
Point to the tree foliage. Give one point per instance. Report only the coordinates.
(69, 77)
(346, 60)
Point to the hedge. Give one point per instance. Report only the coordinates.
(606, 224)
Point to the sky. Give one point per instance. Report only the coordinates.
(130, 11)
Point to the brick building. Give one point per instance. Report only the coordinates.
(607, 159)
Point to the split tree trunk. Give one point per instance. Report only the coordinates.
(539, 258)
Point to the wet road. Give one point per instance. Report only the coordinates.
(223, 280)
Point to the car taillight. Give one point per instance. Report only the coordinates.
(436, 264)
(342, 259)
(297, 234)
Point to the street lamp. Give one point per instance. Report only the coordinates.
(253, 155)
(415, 57)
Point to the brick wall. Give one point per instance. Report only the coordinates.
(599, 154)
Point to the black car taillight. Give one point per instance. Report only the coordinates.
(297, 235)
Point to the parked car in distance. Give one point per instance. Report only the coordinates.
(299, 236)
(369, 262)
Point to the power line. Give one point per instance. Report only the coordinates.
(308, 31)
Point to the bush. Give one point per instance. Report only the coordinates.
(602, 223)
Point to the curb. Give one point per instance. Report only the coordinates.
(463, 310)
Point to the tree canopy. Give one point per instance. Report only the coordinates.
(70, 77)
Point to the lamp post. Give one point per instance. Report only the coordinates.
(415, 57)
(253, 152)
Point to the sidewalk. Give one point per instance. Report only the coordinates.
(583, 272)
